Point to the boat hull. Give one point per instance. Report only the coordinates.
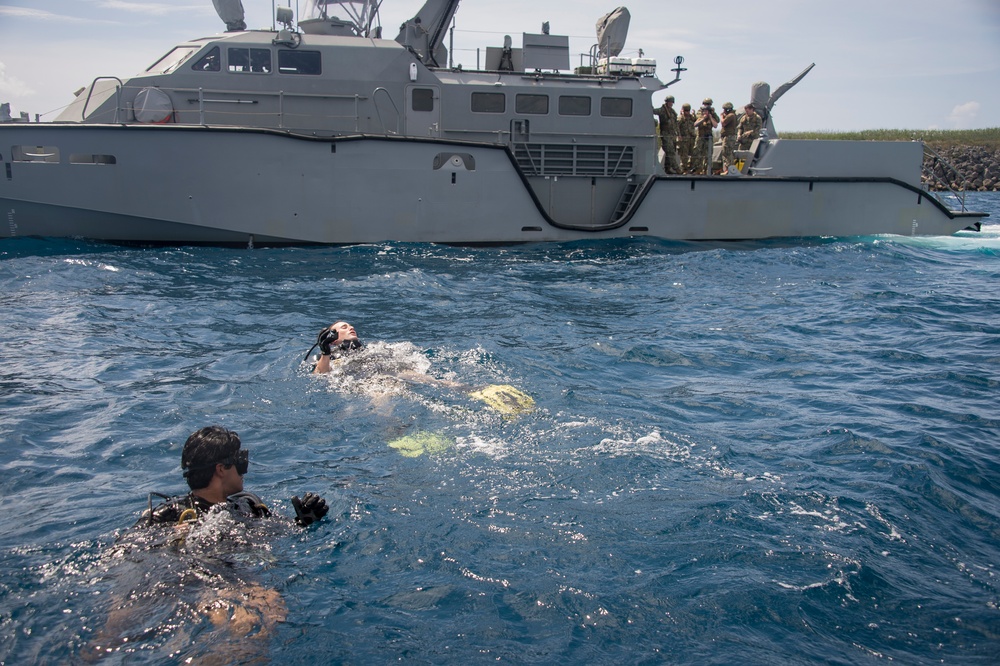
(177, 184)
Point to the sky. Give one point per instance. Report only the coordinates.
(901, 64)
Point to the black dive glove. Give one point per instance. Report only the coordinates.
(309, 509)
(325, 339)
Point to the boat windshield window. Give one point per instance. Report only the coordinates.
(538, 104)
(249, 60)
(173, 60)
(489, 102)
(573, 105)
(299, 62)
(210, 62)
(616, 107)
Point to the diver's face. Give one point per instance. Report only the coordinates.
(344, 331)
(232, 480)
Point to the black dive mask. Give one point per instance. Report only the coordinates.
(327, 343)
(241, 459)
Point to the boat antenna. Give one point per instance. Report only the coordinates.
(678, 61)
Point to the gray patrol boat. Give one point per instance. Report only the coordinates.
(321, 131)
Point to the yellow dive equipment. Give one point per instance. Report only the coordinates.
(505, 399)
(419, 443)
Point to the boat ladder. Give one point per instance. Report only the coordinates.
(944, 193)
(625, 202)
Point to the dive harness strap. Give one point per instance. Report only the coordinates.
(248, 501)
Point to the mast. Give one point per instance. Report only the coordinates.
(424, 33)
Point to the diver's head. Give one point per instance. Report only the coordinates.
(344, 331)
(208, 448)
(334, 339)
(338, 336)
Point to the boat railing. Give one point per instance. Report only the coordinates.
(948, 196)
(118, 95)
(204, 96)
(378, 112)
(241, 103)
(538, 134)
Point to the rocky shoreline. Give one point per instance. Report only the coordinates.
(979, 165)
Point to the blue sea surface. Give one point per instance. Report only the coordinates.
(760, 453)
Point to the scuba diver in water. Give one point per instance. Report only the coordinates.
(214, 466)
(337, 342)
(207, 605)
(382, 371)
(333, 341)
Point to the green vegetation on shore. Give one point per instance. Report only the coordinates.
(989, 138)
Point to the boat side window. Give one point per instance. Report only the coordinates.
(299, 62)
(616, 107)
(536, 104)
(210, 62)
(35, 154)
(573, 105)
(87, 158)
(489, 102)
(249, 60)
(423, 99)
(177, 57)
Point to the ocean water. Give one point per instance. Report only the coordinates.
(776, 453)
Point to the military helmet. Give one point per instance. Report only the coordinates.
(707, 101)
(669, 98)
(728, 106)
(686, 107)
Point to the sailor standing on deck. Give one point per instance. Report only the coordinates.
(727, 132)
(707, 121)
(686, 136)
(668, 135)
(748, 129)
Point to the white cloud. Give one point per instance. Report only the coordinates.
(152, 8)
(25, 12)
(963, 116)
(11, 86)
(43, 15)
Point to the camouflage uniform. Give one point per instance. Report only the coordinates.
(702, 160)
(667, 118)
(685, 137)
(748, 129)
(727, 131)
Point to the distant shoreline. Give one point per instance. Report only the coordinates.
(974, 153)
